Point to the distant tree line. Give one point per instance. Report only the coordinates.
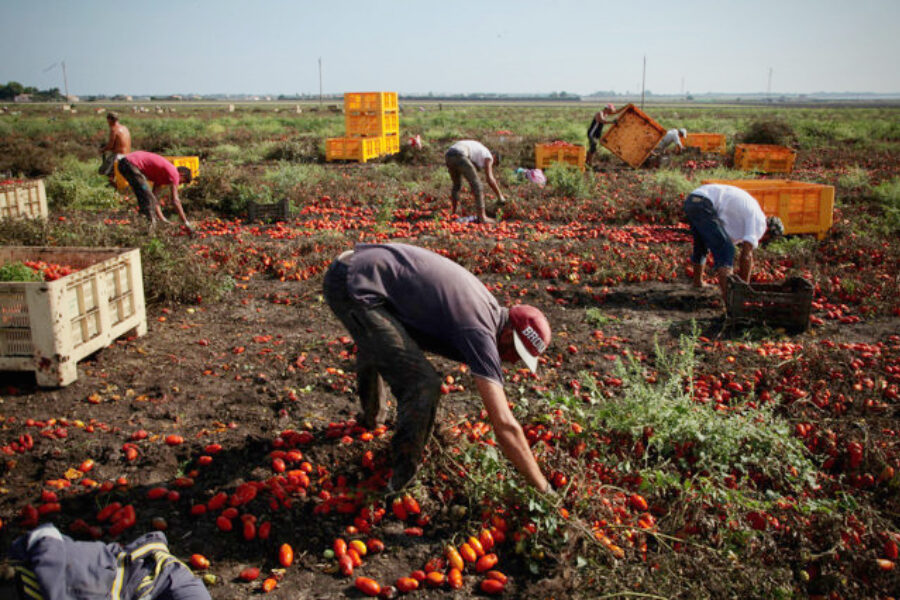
(14, 88)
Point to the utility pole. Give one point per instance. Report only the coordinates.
(65, 80)
(769, 86)
(682, 86)
(643, 81)
(320, 82)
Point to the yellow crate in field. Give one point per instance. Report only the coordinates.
(764, 158)
(633, 136)
(371, 124)
(802, 207)
(547, 154)
(23, 200)
(370, 102)
(391, 144)
(360, 149)
(48, 326)
(706, 142)
(191, 162)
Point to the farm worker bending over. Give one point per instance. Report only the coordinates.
(139, 167)
(53, 566)
(118, 145)
(464, 158)
(673, 136)
(720, 217)
(595, 129)
(398, 301)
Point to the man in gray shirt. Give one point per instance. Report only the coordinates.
(398, 301)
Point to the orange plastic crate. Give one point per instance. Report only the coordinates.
(764, 158)
(706, 142)
(802, 207)
(633, 136)
(191, 162)
(371, 124)
(370, 101)
(547, 154)
(391, 144)
(360, 149)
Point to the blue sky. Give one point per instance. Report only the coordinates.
(273, 46)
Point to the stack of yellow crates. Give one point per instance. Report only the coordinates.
(371, 127)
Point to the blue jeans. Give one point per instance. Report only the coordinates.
(386, 352)
(709, 233)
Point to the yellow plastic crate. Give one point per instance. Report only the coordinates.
(191, 162)
(48, 326)
(23, 200)
(360, 102)
(360, 149)
(764, 158)
(802, 207)
(706, 142)
(633, 136)
(371, 124)
(547, 154)
(391, 144)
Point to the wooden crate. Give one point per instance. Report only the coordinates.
(23, 200)
(764, 158)
(360, 149)
(633, 136)
(547, 154)
(803, 207)
(47, 327)
(191, 162)
(706, 142)
(275, 211)
(786, 304)
(360, 102)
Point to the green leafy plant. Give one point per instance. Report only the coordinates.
(17, 271)
(567, 180)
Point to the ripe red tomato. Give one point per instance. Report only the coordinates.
(285, 555)
(199, 562)
(368, 586)
(249, 574)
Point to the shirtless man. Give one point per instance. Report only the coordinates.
(118, 145)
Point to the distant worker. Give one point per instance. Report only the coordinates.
(720, 217)
(398, 301)
(673, 136)
(464, 159)
(139, 168)
(595, 129)
(118, 145)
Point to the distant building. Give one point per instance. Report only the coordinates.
(22, 98)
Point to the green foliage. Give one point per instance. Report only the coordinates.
(888, 194)
(76, 184)
(596, 317)
(770, 130)
(567, 180)
(855, 178)
(669, 183)
(720, 173)
(17, 271)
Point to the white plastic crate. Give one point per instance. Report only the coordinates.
(23, 200)
(47, 327)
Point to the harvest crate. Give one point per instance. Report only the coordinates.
(633, 136)
(360, 102)
(48, 326)
(391, 144)
(547, 154)
(786, 304)
(359, 149)
(802, 207)
(191, 162)
(275, 211)
(23, 200)
(706, 142)
(371, 124)
(764, 158)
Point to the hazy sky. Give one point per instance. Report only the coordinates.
(421, 46)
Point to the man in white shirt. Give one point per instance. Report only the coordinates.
(464, 159)
(720, 217)
(673, 136)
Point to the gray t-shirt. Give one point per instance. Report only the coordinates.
(444, 307)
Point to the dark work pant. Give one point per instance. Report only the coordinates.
(708, 232)
(386, 352)
(460, 166)
(147, 202)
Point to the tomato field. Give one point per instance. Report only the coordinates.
(692, 458)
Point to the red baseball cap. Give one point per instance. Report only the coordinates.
(531, 333)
